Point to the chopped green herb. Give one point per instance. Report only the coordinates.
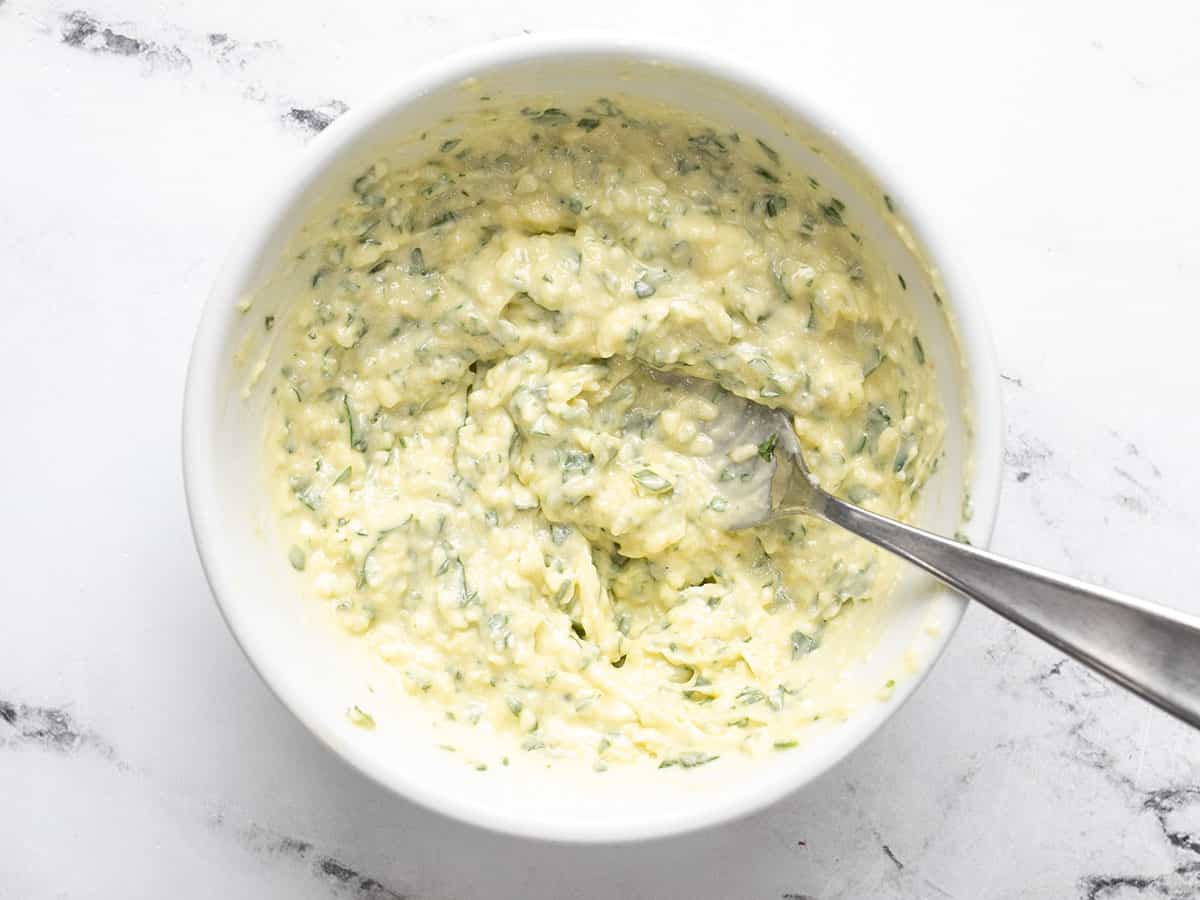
(651, 482)
(588, 124)
(771, 154)
(749, 696)
(858, 493)
(310, 496)
(832, 214)
(878, 418)
(344, 475)
(297, 558)
(778, 696)
(364, 578)
(784, 745)
(918, 350)
(576, 461)
(689, 760)
(903, 283)
(802, 644)
(449, 145)
(551, 115)
(873, 362)
(767, 448)
(643, 289)
(360, 718)
(498, 631)
(718, 503)
(269, 322)
(358, 439)
(778, 280)
(905, 454)
(766, 174)
(774, 204)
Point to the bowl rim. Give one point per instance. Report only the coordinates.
(295, 182)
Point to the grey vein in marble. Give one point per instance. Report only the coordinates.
(185, 51)
(55, 730)
(85, 32)
(1181, 884)
(342, 878)
(1144, 498)
(1026, 452)
(315, 120)
(1170, 805)
(48, 728)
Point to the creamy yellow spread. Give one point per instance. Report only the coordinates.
(476, 470)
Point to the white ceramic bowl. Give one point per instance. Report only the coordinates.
(302, 657)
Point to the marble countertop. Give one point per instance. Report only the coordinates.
(140, 756)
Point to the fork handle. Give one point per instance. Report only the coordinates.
(1152, 650)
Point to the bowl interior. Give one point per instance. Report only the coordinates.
(289, 637)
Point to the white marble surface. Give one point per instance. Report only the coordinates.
(139, 754)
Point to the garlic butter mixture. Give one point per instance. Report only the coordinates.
(477, 471)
